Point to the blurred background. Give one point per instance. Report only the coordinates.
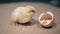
(52, 2)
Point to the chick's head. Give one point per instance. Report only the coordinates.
(30, 10)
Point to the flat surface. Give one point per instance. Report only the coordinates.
(7, 28)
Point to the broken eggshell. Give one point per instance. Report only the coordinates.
(46, 19)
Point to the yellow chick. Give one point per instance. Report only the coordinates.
(22, 14)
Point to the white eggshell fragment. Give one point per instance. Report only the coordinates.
(46, 19)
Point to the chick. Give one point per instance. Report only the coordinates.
(22, 14)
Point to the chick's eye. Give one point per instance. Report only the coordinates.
(33, 11)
